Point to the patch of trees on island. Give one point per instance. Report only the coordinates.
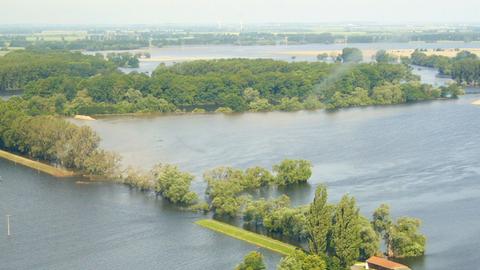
(67, 83)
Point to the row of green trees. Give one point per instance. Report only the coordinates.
(54, 140)
(102, 41)
(226, 184)
(464, 67)
(338, 235)
(165, 180)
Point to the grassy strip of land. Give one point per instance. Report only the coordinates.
(250, 237)
(57, 172)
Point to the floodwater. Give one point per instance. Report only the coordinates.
(307, 52)
(421, 158)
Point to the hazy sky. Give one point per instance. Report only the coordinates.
(248, 11)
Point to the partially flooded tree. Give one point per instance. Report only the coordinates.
(173, 184)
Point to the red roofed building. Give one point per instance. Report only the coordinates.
(377, 263)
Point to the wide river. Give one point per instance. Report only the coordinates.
(421, 158)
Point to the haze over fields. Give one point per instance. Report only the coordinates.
(246, 11)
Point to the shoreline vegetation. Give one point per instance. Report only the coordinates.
(336, 234)
(248, 236)
(36, 165)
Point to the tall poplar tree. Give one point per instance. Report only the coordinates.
(346, 239)
(319, 221)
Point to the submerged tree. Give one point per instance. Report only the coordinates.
(252, 261)
(173, 184)
(405, 239)
(292, 172)
(402, 238)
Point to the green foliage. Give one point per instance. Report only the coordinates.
(251, 94)
(173, 184)
(292, 172)
(225, 184)
(92, 86)
(289, 104)
(53, 140)
(125, 59)
(415, 91)
(312, 103)
(370, 240)
(388, 94)
(18, 68)
(319, 222)
(299, 260)
(405, 239)
(358, 97)
(202, 207)
(346, 239)
(452, 90)
(103, 163)
(290, 222)
(402, 238)
(256, 210)
(382, 56)
(260, 105)
(137, 179)
(252, 261)
(233, 101)
(382, 221)
(351, 55)
(256, 177)
(199, 110)
(223, 110)
(463, 67)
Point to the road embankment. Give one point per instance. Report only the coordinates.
(42, 167)
(247, 236)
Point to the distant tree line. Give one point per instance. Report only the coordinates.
(81, 44)
(98, 41)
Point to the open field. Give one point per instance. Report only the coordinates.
(2, 53)
(57, 172)
(368, 54)
(249, 237)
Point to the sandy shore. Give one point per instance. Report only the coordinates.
(83, 117)
(476, 102)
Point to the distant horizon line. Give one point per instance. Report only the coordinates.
(229, 23)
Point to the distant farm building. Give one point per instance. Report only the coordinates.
(377, 263)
